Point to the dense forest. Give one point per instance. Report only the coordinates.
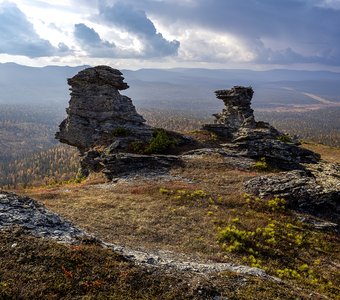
(47, 167)
(26, 129)
(29, 154)
(319, 126)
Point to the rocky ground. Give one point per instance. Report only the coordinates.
(170, 221)
(237, 197)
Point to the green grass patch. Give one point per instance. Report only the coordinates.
(268, 236)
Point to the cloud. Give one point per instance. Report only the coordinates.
(97, 47)
(92, 42)
(332, 4)
(280, 31)
(202, 45)
(254, 32)
(18, 36)
(136, 22)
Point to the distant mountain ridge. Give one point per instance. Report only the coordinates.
(178, 88)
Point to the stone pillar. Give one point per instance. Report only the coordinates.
(97, 108)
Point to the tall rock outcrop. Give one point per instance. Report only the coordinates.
(97, 109)
(104, 125)
(236, 114)
(237, 117)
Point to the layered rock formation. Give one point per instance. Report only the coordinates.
(113, 139)
(236, 114)
(97, 109)
(246, 137)
(102, 123)
(310, 185)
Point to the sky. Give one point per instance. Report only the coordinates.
(134, 34)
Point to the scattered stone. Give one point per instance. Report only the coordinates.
(319, 224)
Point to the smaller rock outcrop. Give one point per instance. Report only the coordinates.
(236, 114)
(245, 137)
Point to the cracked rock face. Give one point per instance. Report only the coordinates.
(237, 112)
(97, 108)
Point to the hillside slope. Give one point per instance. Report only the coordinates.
(191, 215)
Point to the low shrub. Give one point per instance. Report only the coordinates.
(120, 132)
(285, 138)
(161, 143)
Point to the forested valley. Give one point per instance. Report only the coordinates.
(30, 156)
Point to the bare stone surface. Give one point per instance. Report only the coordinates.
(35, 218)
(126, 163)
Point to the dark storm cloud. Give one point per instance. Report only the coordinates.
(92, 42)
(307, 30)
(136, 22)
(18, 37)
